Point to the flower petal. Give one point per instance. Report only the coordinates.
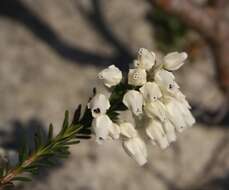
(127, 130)
(146, 59)
(170, 131)
(99, 104)
(155, 109)
(102, 126)
(164, 78)
(137, 77)
(166, 82)
(155, 132)
(188, 117)
(114, 131)
(174, 60)
(134, 101)
(150, 91)
(176, 115)
(136, 149)
(111, 76)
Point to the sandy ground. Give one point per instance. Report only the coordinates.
(38, 82)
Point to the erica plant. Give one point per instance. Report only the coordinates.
(150, 93)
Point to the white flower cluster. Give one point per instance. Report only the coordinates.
(155, 101)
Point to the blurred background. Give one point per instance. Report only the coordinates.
(51, 52)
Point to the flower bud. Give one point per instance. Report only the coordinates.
(127, 130)
(156, 133)
(181, 97)
(151, 91)
(164, 78)
(170, 131)
(137, 77)
(166, 81)
(155, 109)
(174, 60)
(111, 76)
(114, 131)
(134, 101)
(136, 149)
(185, 112)
(179, 115)
(102, 125)
(146, 59)
(99, 104)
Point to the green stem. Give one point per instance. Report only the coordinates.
(70, 133)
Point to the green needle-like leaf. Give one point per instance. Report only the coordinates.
(77, 115)
(26, 179)
(50, 133)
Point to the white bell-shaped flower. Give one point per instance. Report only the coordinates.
(177, 94)
(181, 97)
(111, 76)
(175, 116)
(179, 115)
(114, 131)
(136, 149)
(156, 133)
(164, 78)
(150, 91)
(166, 81)
(137, 77)
(99, 105)
(185, 112)
(133, 100)
(127, 130)
(170, 131)
(174, 60)
(155, 109)
(102, 126)
(146, 59)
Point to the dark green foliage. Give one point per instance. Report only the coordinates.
(116, 101)
(117, 96)
(23, 152)
(76, 116)
(50, 133)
